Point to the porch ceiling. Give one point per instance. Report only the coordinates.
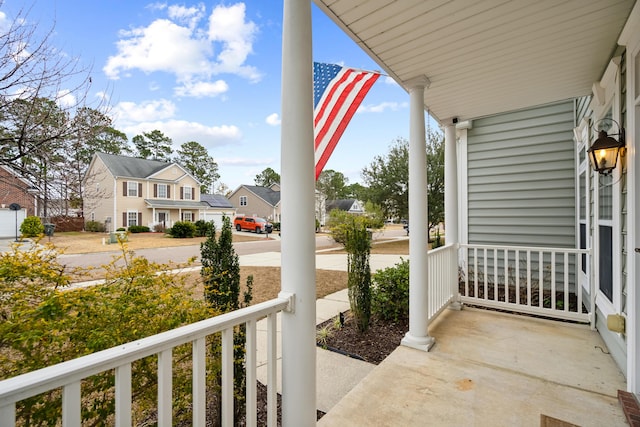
(487, 57)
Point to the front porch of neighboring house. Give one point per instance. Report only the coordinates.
(455, 367)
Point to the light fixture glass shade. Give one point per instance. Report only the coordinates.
(603, 154)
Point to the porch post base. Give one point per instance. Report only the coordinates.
(419, 343)
(455, 305)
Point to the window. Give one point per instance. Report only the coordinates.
(243, 200)
(132, 189)
(187, 193)
(187, 216)
(163, 191)
(132, 218)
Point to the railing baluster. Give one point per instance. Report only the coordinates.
(123, 395)
(566, 281)
(71, 399)
(553, 280)
(517, 263)
(227, 377)
(495, 274)
(540, 278)
(8, 415)
(250, 366)
(272, 370)
(529, 302)
(199, 355)
(486, 274)
(165, 388)
(506, 275)
(475, 271)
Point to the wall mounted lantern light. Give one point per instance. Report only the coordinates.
(603, 154)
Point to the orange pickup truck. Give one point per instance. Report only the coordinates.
(252, 223)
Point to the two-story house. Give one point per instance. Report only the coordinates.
(257, 201)
(124, 191)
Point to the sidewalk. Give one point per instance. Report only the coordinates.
(336, 374)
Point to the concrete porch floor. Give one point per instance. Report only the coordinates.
(490, 369)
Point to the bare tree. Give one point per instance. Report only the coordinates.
(34, 73)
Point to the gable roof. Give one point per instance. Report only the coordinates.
(216, 201)
(133, 167)
(270, 196)
(342, 204)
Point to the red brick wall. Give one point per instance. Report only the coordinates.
(14, 190)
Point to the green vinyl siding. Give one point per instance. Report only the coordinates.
(521, 179)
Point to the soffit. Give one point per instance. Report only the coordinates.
(487, 57)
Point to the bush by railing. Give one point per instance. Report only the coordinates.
(390, 292)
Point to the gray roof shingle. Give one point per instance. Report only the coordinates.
(267, 194)
(131, 167)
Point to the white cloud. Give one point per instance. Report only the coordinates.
(181, 131)
(202, 89)
(181, 46)
(102, 95)
(273, 119)
(162, 46)
(244, 161)
(66, 99)
(382, 107)
(388, 80)
(228, 25)
(188, 15)
(131, 112)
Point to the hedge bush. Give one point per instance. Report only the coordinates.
(183, 230)
(204, 228)
(139, 229)
(31, 227)
(390, 292)
(95, 227)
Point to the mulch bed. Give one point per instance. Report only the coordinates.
(372, 346)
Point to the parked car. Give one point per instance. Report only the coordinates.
(252, 223)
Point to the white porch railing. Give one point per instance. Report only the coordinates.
(68, 375)
(443, 277)
(533, 280)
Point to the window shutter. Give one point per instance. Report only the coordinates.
(168, 191)
(124, 219)
(155, 190)
(139, 218)
(181, 193)
(139, 189)
(193, 194)
(181, 216)
(124, 188)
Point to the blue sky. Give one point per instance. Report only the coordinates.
(210, 72)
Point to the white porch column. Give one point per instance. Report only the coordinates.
(298, 236)
(418, 335)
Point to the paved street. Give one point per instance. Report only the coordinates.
(183, 253)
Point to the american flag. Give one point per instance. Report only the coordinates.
(337, 94)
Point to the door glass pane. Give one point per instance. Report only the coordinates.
(606, 272)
